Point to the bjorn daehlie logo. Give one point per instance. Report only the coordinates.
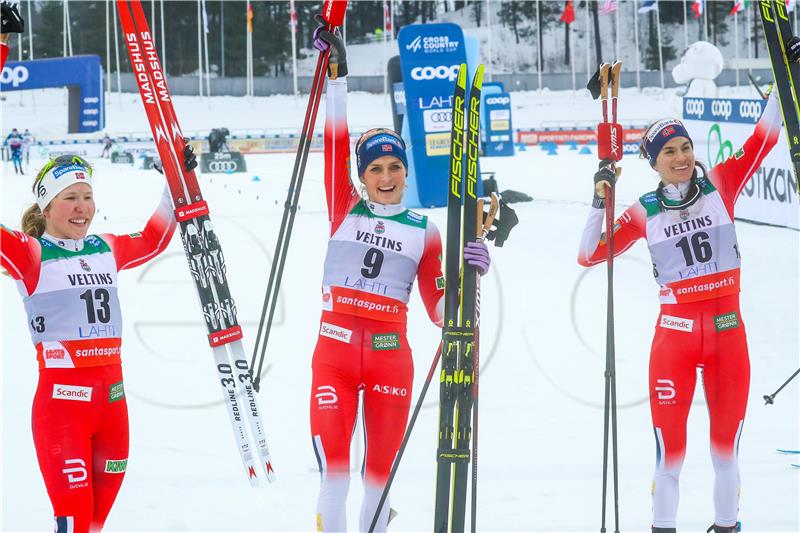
(326, 397)
(665, 389)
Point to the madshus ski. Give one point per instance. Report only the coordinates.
(456, 392)
(777, 31)
(203, 251)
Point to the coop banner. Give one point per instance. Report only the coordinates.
(719, 127)
(430, 55)
(499, 135)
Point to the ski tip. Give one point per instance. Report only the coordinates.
(462, 76)
(478, 81)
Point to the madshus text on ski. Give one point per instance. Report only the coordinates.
(377, 250)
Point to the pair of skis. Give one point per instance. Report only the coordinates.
(777, 32)
(609, 148)
(203, 251)
(458, 385)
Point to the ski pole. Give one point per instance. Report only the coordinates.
(769, 398)
(406, 436)
(333, 10)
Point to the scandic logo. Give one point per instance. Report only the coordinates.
(72, 392)
(335, 332)
(676, 323)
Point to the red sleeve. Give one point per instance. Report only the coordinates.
(730, 176)
(340, 194)
(429, 275)
(137, 248)
(20, 256)
(3, 55)
(629, 228)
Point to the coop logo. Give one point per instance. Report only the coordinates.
(694, 108)
(498, 100)
(16, 76)
(750, 109)
(665, 389)
(722, 108)
(223, 166)
(326, 397)
(441, 72)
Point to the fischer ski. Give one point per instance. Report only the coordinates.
(788, 452)
(203, 251)
(777, 31)
(456, 387)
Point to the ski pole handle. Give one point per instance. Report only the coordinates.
(486, 224)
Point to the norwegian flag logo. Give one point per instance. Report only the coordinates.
(386, 147)
(666, 132)
(80, 176)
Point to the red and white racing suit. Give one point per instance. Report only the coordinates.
(696, 260)
(375, 253)
(80, 417)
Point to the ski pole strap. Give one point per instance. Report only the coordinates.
(191, 211)
(225, 336)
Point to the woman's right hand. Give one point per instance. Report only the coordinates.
(325, 40)
(605, 176)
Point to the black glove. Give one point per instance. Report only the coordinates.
(606, 176)
(189, 159)
(793, 49)
(337, 62)
(10, 21)
(594, 85)
(503, 223)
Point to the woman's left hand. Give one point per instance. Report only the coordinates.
(476, 254)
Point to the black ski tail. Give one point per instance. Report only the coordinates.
(777, 31)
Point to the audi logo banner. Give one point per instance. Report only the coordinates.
(222, 162)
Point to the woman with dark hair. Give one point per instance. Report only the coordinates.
(377, 249)
(68, 283)
(688, 225)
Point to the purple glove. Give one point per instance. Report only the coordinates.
(476, 254)
(320, 43)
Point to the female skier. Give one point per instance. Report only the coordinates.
(688, 225)
(68, 282)
(376, 249)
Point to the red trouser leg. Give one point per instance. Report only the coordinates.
(81, 439)
(674, 357)
(726, 379)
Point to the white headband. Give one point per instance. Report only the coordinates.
(56, 180)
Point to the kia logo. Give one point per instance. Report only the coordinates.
(15, 76)
(498, 100)
(440, 73)
(694, 107)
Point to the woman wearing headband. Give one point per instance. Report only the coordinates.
(68, 283)
(377, 248)
(688, 225)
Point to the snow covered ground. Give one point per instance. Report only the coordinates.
(543, 324)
